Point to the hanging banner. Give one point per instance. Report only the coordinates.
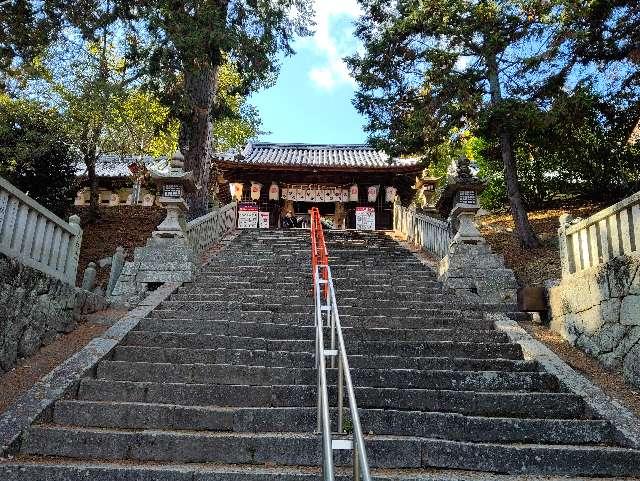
(365, 218)
(263, 220)
(236, 191)
(247, 216)
(255, 190)
(314, 193)
(372, 193)
(390, 194)
(353, 193)
(274, 192)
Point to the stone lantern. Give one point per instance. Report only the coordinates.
(167, 255)
(426, 187)
(470, 268)
(173, 182)
(459, 202)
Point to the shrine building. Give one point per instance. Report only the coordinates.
(341, 180)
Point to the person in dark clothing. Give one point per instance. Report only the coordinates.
(288, 221)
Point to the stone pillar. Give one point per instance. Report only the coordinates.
(74, 251)
(566, 251)
(340, 217)
(117, 263)
(89, 277)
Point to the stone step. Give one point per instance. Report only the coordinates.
(390, 378)
(245, 284)
(304, 449)
(477, 350)
(281, 292)
(257, 314)
(235, 306)
(241, 295)
(354, 299)
(303, 314)
(457, 322)
(386, 422)
(511, 404)
(306, 359)
(281, 331)
(273, 278)
(48, 469)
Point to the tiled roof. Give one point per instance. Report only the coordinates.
(317, 156)
(113, 165)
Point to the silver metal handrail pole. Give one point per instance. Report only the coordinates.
(359, 450)
(323, 405)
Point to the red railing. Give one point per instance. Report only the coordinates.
(319, 256)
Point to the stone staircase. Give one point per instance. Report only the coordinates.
(218, 383)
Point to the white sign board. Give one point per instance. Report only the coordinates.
(247, 216)
(365, 218)
(264, 220)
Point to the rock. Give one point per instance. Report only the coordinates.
(104, 262)
(30, 341)
(631, 366)
(630, 311)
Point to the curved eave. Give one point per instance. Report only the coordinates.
(394, 169)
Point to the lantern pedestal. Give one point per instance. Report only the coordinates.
(174, 225)
(476, 274)
(167, 255)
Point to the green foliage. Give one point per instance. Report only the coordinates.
(35, 152)
(575, 147)
(241, 121)
(425, 68)
(140, 125)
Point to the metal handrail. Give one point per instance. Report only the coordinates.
(326, 315)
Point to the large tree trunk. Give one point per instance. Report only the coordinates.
(94, 208)
(195, 136)
(90, 156)
(527, 235)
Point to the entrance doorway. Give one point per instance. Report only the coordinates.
(302, 209)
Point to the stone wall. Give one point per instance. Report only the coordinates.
(598, 310)
(34, 308)
(478, 276)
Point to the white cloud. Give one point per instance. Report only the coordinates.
(333, 71)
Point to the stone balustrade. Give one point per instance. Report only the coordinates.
(36, 237)
(208, 229)
(612, 232)
(432, 234)
(596, 305)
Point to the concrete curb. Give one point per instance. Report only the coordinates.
(624, 422)
(35, 402)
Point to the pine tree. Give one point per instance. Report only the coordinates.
(431, 66)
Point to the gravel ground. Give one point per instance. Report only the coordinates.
(612, 383)
(533, 266)
(31, 370)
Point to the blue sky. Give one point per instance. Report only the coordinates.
(311, 100)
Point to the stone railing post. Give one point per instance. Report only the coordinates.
(89, 277)
(117, 263)
(563, 245)
(71, 269)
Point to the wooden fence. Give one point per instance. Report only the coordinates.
(36, 237)
(432, 234)
(611, 232)
(208, 229)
